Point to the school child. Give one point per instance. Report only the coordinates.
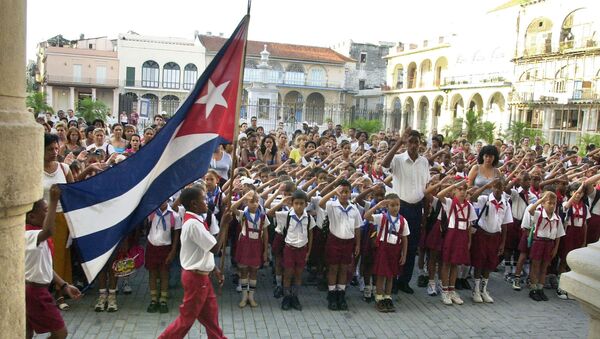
(295, 227)
(391, 234)
(252, 245)
(577, 216)
(520, 198)
(343, 241)
(198, 246)
(545, 230)
(490, 238)
(593, 196)
(163, 242)
(455, 250)
(214, 195)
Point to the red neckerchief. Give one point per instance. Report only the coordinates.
(377, 176)
(535, 192)
(498, 205)
(578, 209)
(189, 216)
(458, 210)
(49, 240)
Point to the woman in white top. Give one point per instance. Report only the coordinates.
(58, 173)
(221, 163)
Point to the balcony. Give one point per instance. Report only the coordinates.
(81, 81)
(475, 79)
(568, 45)
(287, 79)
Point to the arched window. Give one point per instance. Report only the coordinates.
(538, 37)
(150, 74)
(171, 72)
(317, 77)
(190, 75)
(294, 75)
(170, 103)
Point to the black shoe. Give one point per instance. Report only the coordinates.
(235, 279)
(534, 294)
(322, 285)
(153, 307)
(404, 287)
(286, 303)
(466, 285)
(458, 284)
(296, 303)
(354, 281)
(162, 307)
(543, 295)
(278, 292)
(332, 299)
(341, 301)
(390, 305)
(422, 281)
(381, 306)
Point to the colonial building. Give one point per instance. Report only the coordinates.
(157, 73)
(557, 69)
(438, 80)
(68, 71)
(290, 83)
(367, 78)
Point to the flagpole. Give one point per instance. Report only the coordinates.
(236, 133)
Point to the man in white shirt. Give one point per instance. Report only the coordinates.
(42, 315)
(197, 262)
(410, 175)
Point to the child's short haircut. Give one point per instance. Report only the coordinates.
(299, 195)
(345, 183)
(213, 172)
(551, 195)
(281, 173)
(289, 186)
(264, 170)
(392, 196)
(190, 194)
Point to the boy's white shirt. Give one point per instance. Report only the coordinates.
(492, 223)
(556, 230)
(342, 225)
(38, 259)
(214, 225)
(196, 243)
(157, 236)
(297, 233)
(578, 222)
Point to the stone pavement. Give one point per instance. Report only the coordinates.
(513, 315)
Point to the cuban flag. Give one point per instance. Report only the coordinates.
(103, 209)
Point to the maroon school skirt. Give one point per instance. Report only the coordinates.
(294, 257)
(572, 240)
(42, 315)
(339, 251)
(156, 256)
(513, 235)
(593, 229)
(387, 260)
(523, 246)
(249, 252)
(367, 245)
(484, 250)
(456, 247)
(541, 249)
(317, 250)
(435, 241)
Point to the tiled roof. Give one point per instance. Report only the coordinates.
(281, 51)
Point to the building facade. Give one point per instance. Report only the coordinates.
(68, 71)
(290, 83)
(557, 69)
(156, 73)
(432, 83)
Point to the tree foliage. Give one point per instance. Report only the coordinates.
(472, 126)
(518, 130)
(369, 126)
(37, 101)
(91, 110)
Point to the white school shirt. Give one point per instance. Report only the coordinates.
(495, 217)
(38, 259)
(342, 224)
(297, 232)
(214, 225)
(409, 178)
(314, 210)
(550, 228)
(577, 221)
(253, 215)
(519, 206)
(595, 209)
(196, 243)
(377, 221)
(158, 236)
(447, 205)
(57, 177)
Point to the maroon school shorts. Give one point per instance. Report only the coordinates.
(42, 314)
(513, 235)
(294, 257)
(387, 260)
(593, 231)
(541, 249)
(523, 242)
(435, 241)
(572, 240)
(456, 247)
(156, 256)
(277, 245)
(484, 250)
(339, 251)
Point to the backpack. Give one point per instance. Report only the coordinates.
(287, 224)
(594, 202)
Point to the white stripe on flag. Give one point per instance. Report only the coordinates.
(93, 267)
(108, 213)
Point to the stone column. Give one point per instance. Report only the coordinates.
(115, 103)
(49, 97)
(93, 94)
(20, 186)
(583, 283)
(72, 98)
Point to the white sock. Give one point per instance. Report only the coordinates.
(477, 286)
(341, 287)
(422, 271)
(331, 288)
(278, 279)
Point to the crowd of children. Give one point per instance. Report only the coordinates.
(325, 203)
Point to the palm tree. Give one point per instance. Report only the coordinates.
(472, 125)
(37, 101)
(91, 110)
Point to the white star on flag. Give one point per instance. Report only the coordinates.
(213, 97)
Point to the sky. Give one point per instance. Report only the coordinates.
(308, 22)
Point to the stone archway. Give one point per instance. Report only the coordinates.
(315, 108)
(422, 113)
(409, 109)
(457, 106)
